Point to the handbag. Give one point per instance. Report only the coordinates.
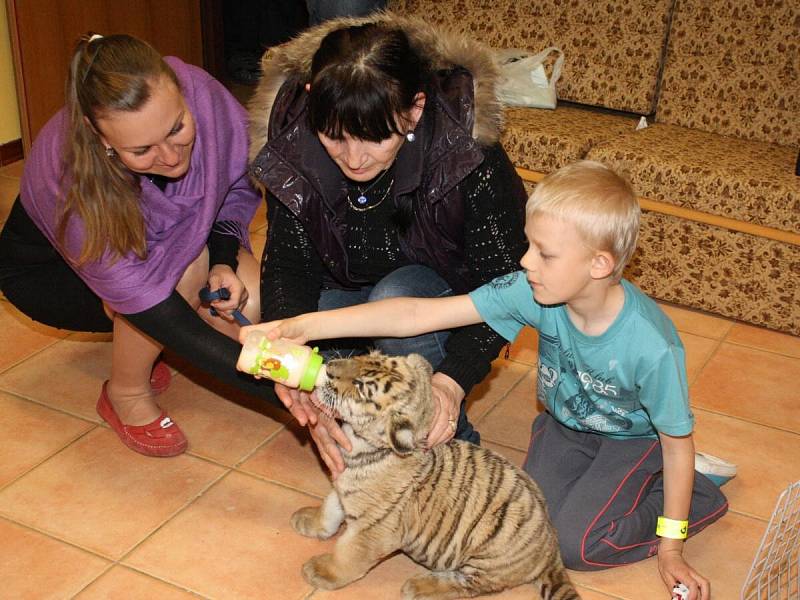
(523, 79)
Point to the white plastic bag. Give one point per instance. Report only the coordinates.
(523, 79)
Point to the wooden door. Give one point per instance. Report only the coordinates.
(44, 33)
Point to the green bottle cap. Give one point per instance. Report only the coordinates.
(309, 377)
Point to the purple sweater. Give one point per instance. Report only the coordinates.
(178, 220)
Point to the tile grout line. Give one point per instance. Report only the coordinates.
(497, 403)
(716, 347)
(280, 484)
(760, 349)
(47, 458)
(745, 420)
(43, 404)
(4, 370)
(213, 483)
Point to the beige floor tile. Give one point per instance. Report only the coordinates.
(750, 384)
(290, 458)
(33, 433)
(101, 496)
(509, 423)
(504, 375)
(21, 337)
(13, 170)
(587, 594)
(722, 553)
(125, 584)
(35, 566)
(754, 449)
(525, 348)
(698, 350)
(687, 320)
(81, 368)
(512, 455)
(217, 428)
(235, 541)
(764, 339)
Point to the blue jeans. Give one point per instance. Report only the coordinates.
(322, 10)
(415, 281)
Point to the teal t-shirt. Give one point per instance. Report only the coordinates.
(630, 381)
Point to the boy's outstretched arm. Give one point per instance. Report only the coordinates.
(678, 455)
(393, 317)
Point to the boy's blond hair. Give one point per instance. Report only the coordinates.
(600, 203)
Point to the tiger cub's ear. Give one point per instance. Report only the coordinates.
(401, 434)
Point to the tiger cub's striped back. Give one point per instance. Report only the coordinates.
(462, 511)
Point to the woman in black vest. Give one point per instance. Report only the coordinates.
(377, 142)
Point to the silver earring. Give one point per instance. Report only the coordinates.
(110, 152)
(410, 136)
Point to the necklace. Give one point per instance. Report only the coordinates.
(362, 194)
(360, 206)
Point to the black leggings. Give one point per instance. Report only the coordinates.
(36, 279)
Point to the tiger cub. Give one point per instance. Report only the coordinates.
(475, 520)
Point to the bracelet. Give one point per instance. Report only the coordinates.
(670, 528)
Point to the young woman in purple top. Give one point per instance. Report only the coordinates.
(134, 197)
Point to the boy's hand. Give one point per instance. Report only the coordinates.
(328, 436)
(675, 569)
(290, 329)
(448, 396)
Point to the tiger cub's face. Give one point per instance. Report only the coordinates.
(385, 399)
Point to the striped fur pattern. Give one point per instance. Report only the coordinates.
(475, 520)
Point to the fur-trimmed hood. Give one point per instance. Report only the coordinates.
(443, 49)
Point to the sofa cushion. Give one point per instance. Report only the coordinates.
(724, 272)
(733, 68)
(741, 179)
(612, 48)
(544, 140)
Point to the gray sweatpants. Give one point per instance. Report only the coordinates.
(604, 495)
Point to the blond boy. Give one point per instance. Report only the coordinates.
(613, 450)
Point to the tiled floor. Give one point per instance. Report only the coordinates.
(81, 516)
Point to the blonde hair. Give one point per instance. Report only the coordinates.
(106, 74)
(598, 202)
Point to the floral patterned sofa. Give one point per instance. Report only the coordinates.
(719, 83)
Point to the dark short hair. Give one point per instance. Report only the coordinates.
(362, 78)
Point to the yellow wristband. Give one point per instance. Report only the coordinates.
(670, 528)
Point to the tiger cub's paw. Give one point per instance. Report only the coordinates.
(321, 573)
(431, 587)
(308, 522)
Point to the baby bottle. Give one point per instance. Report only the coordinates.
(285, 362)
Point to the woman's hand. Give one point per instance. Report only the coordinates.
(298, 403)
(222, 276)
(448, 396)
(328, 437)
(675, 569)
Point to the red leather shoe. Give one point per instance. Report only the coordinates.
(162, 437)
(160, 377)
